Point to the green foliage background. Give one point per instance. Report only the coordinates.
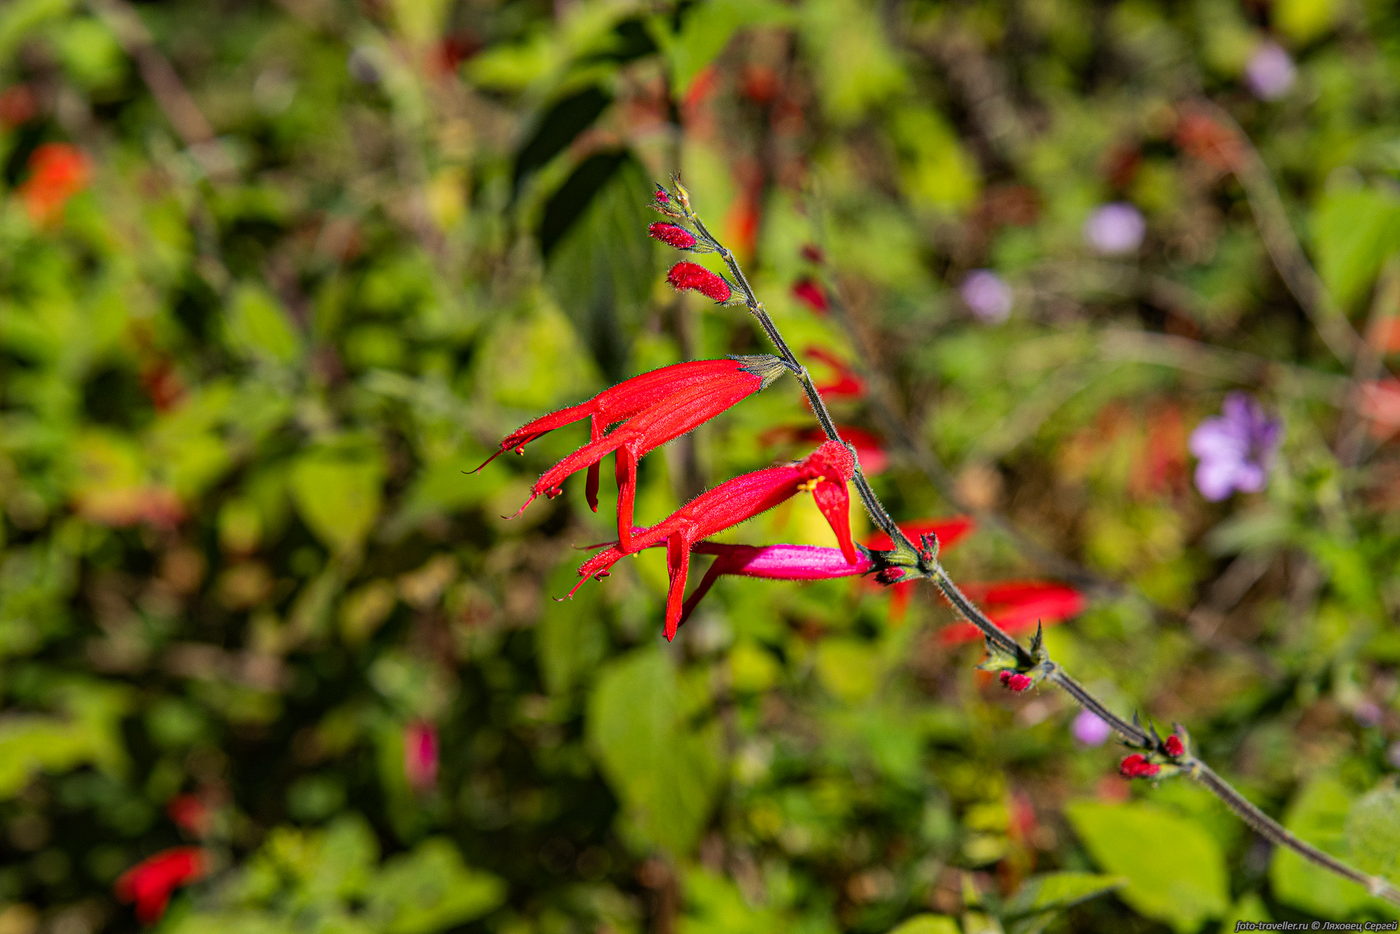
(329, 253)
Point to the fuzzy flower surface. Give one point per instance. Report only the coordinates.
(697, 278)
(670, 414)
(1236, 450)
(672, 235)
(824, 473)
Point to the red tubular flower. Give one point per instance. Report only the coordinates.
(150, 882)
(869, 446)
(1138, 766)
(626, 399)
(57, 172)
(847, 383)
(694, 276)
(824, 473)
(1174, 746)
(668, 415)
(672, 235)
(1017, 606)
(810, 294)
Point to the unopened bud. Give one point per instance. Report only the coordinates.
(694, 276)
(1015, 681)
(672, 235)
(1138, 766)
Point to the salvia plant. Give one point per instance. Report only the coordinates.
(645, 412)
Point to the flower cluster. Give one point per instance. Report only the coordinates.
(1160, 760)
(642, 413)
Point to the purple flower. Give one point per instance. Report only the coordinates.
(1114, 229)
(1090, 730)
(1235, 450)
(986, 295)
(1270, 72)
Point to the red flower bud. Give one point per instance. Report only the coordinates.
(1174, 746)
(694, 276)
(661, 196)
(671, 235)
(1015, 681)
(1138, 766)
(889, 575)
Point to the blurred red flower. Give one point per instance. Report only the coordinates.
(810, 294)
(17, 105)
(150, 882)
(870, 448)
(847, 383)
(57, 171)
(420, 755)
(190, 813)
(1017, 607)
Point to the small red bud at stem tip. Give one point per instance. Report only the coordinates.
(1174, 746)
(661, 196)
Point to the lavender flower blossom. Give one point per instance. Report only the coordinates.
(1270, 72)
(987, 296)
(1115, 229)
(1090, 729)
(1235, 450)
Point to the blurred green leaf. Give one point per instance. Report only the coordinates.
(431, 889)
(599, 260)
(1180, 880)
(927, 924)
(706, 29)
(1373, 832)
(665, 770)
(1355, 230)
(258, 326)
(850, 669)
(337, 491)
(1318, 814)
(1303, 21)
(570, 638)
(1058, 890)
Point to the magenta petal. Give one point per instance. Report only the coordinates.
(786, 562)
